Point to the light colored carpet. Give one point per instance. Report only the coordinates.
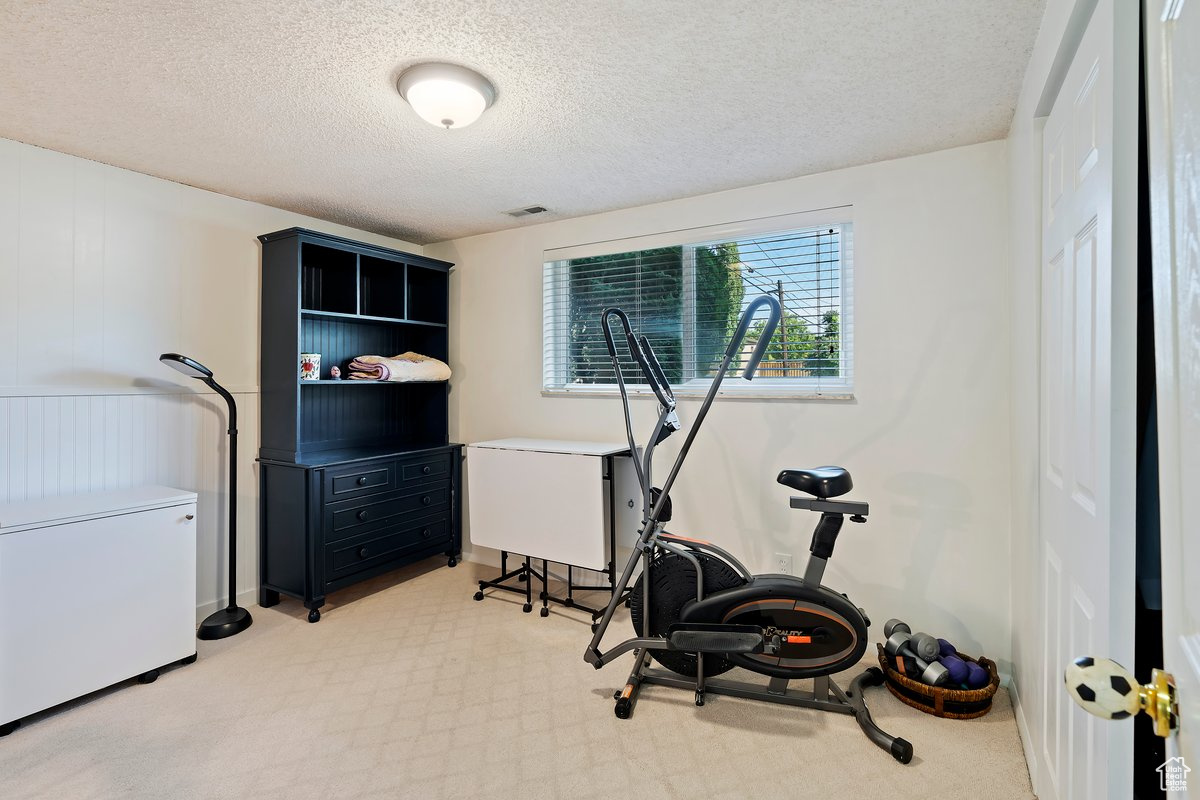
(409, 688)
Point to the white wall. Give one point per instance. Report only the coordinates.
(926, 437)
(102, 269)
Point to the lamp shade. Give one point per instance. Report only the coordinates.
(446, 95)
(189, 367)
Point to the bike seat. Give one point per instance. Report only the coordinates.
(819, 482)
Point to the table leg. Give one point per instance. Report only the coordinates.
(545, 612)
(528, 589)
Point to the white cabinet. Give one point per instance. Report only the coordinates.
(94, 589)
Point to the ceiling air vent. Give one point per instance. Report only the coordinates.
(526, 211)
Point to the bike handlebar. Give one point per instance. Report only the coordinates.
(658, 370)
(654, 375)
(643, 353)
(760, 348)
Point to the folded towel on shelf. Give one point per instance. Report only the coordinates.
(404, 367)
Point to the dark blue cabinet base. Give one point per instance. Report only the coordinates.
(328, 526)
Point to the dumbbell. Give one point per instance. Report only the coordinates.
(956, 667)
(964, 672)
(899, 637)
(977, 676)
(924, 646)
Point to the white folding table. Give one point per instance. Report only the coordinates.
(554, 501)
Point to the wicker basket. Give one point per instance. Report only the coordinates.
(948, 703)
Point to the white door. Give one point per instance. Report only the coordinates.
(1173, 111)
(1087, 441)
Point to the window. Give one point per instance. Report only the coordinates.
(687, 298)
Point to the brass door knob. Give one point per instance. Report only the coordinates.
(1105, 689)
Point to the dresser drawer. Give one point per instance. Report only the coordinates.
(361, 479)
(394, 541)
(424, 468)
(351, 517)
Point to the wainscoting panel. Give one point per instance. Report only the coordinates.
(71, 444)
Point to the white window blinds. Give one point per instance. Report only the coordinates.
(687, 298)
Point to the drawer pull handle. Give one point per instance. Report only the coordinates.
(426, 469)
(425, 533)
(426, 500)
(189, 517)
(362, 481)
(362, 553)
(362, 514)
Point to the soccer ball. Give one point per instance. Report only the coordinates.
(1102, 687)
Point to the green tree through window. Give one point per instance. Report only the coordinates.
(687, 299)
(647, 286)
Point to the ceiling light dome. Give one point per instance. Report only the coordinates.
(446, 95)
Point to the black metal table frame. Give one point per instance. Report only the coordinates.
(526, 573)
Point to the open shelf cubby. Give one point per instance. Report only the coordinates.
(340, 340)
(381, 288)
(408, 416)
(427, 295)
(328, 279)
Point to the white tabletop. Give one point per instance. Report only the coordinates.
(556, 446)
(67, 508)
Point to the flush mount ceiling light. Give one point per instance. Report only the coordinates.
(446, 95)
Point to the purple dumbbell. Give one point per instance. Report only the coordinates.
(977, 676)
(957, 667)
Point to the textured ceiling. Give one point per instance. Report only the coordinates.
(600, 105)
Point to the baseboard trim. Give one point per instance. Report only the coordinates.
(246, 599)
(1023, 732)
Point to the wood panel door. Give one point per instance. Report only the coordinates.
(1087, 444)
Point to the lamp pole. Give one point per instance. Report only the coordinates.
(231, 619)
(233, 432)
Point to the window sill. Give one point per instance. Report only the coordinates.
(780, 395)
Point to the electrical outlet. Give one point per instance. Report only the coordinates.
(783, 563)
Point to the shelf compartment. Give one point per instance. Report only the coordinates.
(381, 288)
(329, 279)
(332, 419)
(427, 295)
(340, 339)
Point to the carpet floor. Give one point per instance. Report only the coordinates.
(409, 688)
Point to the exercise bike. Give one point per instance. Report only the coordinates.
(698, 612)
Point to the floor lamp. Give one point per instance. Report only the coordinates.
(232, 619)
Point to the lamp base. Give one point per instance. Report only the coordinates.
(226, 622)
